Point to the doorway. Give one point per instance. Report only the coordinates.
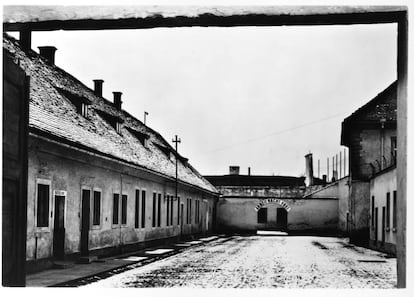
(59, 228)
(281, 218)
(84, 246)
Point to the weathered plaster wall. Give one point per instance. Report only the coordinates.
(379, 187)
(339, 190)
(70, 171)
(305, 214)
(359, 212)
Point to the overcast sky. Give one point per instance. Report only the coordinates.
(251, 96)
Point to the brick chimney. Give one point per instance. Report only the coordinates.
(98, 87)
(117, 100)
(309, 170)
(48, 52)
(234, 170)
(248, 171)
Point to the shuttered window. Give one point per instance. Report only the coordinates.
(136, 208)
(43, 198)
(115, 209)
(124, 209)
(143, 198)
(96, 215)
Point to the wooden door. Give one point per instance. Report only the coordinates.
(59, 228)
(281, 218)
(86, 194)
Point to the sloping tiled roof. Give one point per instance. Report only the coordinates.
(255, 180)
(53, 114)
(382, 108)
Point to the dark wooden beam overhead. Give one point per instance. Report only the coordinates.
(46, 18)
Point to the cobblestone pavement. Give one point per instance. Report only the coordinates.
(265, 262)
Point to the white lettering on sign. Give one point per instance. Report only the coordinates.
(59, 193)
(270, 200)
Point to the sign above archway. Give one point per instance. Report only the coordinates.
(272, 200)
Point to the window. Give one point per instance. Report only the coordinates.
(43, 194)
(191, 209)
(143, 198)
(178, 211)
(159, 211)
(96, 215)
(124, 209)
(84, 110)
(197, 209)
(118, 127)
(142, 137)
(372, 211)
(394, 210)
(262, 216)
(115, 209)
(171, 210)
(136, 208)
(387, 223)
(154, 209)
(168, 209)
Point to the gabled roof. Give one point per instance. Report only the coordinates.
(255, 180)
(52, 114)
(382, 109)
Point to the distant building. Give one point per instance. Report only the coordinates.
(256, 202)
(370, 134)
(99, 180)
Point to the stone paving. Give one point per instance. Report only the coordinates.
(265, 262)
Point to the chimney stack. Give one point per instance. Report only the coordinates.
(98, 87)
(117, 100)
(48, 52)
(234, 170)
(309, 170)
(248, 171)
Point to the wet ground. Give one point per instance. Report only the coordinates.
(265, 261)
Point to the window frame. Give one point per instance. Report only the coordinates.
(137, 208)
(394, 210)
(121, 208)
(47, 182)
(92, 203)
(115, 225)
(154, 210)
(388, 212)
(143, 207)
(159, 216)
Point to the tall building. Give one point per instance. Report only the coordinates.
(370, 134)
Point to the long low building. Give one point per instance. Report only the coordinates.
(255, 202)
(99, 180)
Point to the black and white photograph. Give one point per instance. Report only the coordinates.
(205, 146)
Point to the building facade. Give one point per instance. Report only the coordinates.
(99, 180)
(370, 134)
(250, 202)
